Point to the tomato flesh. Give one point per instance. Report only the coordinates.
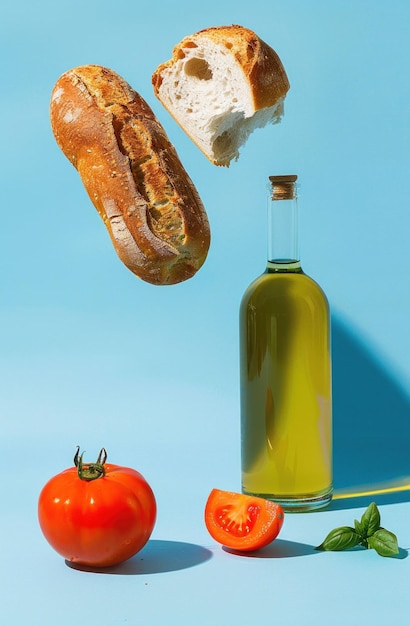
(237, 520)
(242, 522)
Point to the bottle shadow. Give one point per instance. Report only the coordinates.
(371, 425)
(156, 557)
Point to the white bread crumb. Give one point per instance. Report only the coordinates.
(207, 91)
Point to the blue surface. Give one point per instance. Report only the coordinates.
(92, 356)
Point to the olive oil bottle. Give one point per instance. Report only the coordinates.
(285, 371)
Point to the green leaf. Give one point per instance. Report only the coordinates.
(341, 538)
(370, 521)
(384, 542)
(367, 533)
(359, 529)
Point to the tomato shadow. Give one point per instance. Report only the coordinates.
(278, 549)
(371, 417)
(156, 557)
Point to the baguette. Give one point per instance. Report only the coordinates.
(132, 174)
(220, 85)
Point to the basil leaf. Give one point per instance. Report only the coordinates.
(341, 538)
(384, 542)
(370, 521)
(359, 529)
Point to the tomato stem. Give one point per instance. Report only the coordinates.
(90, 471)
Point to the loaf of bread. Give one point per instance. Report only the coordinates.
(220, 85)
(132, 174)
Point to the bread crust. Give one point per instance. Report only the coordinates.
(261, 65)
(132, 174)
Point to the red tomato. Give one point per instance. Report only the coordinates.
(97, 514)
(240, 522)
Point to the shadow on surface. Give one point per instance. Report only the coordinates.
(279, 549)
(156, 557)
(403, 554)
(371, 415)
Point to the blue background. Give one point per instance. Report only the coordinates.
(90, 355)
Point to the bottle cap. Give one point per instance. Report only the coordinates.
(283, 187)
(289, 178)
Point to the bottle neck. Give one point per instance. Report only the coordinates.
(283, 227)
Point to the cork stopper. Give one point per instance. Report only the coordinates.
(283, 187)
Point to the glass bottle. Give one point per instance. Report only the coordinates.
(285, 371)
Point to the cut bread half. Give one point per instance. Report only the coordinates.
(220, 85)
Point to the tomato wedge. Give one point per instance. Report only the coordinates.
(241, 522)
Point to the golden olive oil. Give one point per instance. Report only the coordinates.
(285, 375)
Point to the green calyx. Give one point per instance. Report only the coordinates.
(90, 471)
